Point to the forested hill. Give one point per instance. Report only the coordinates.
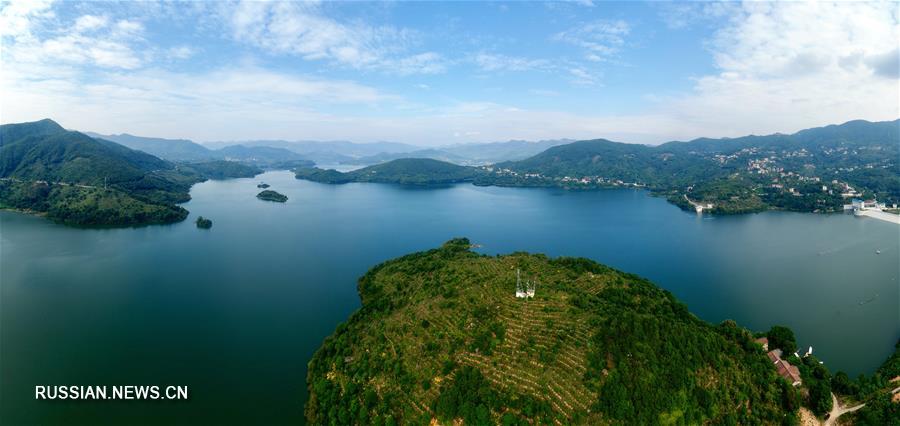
(76, 179)
(805, 171)
(442, 337)
(408, 171)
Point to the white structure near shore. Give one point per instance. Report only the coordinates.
(873, 209)
(880, 215)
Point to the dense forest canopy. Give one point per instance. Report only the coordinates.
(270, 195)
(441, 335)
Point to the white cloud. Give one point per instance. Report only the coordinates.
(678, 15)
(498, 62)
(600, 39)
(36, 39)
(180, 52)
(90, 23)
(582, 77)
(225, 103)
(422, 63)
(302, 29)
(786, 66)
(126, 27)
(777, 68)
(19, 17)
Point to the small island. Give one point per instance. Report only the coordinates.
(269, 195)
(263, 185)
(203, 223)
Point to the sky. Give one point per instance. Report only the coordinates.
(437, 73)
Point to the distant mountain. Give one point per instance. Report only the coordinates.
(183, 150)
(407, 171)
(849, 134)
(434, 154)
(325, 152)
(344, 152)
(169, 149)
(263, 155)
(77, 179)
(805, 171)
(494, 152)
(475, 154)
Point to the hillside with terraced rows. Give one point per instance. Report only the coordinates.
(442, 338)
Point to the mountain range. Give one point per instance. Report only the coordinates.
(268, 153)
(48, 169)
(183, 150)
(811, 170)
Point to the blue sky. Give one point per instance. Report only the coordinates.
(433, 73)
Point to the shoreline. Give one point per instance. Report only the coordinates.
(880, 215)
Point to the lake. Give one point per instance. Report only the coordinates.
(236, 312)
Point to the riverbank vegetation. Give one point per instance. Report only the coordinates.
(878, 391)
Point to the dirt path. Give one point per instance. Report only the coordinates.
(837, 410)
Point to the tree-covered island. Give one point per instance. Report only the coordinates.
(203, 223)
(269, 195)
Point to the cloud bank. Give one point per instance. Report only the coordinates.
(777, 67)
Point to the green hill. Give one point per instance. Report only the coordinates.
(440, 335)
(76, 179)
(220, 169)
(805, 171)
(406, 171)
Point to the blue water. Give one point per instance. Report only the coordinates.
(236, 312)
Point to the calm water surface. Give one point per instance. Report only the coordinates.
(236, 312)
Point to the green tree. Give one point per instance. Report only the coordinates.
(781, 337)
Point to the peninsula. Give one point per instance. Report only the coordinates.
(448, 335)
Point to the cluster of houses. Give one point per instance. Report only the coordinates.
(785, 369)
